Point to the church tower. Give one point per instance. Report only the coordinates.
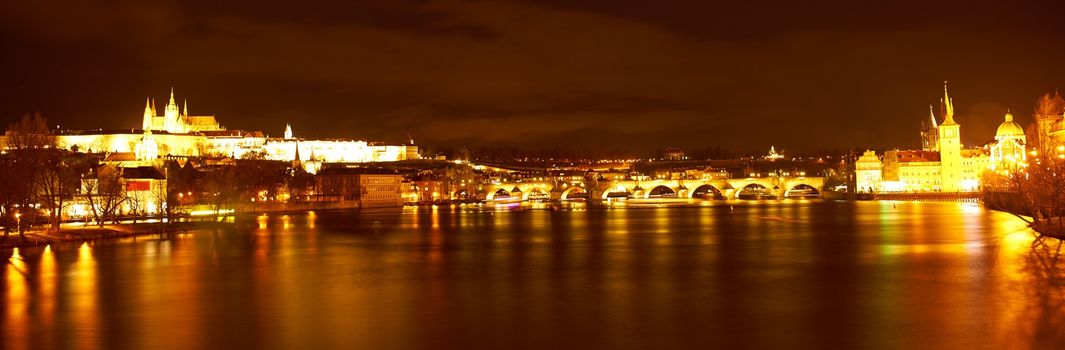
(172, 115)
(149, 113)
(950, 146)
(930, 132)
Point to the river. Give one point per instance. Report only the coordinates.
(776, 274)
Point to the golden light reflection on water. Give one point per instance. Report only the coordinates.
(82, 294)
(47, 296)
(842, 275)
(16, 305)
(261, 220)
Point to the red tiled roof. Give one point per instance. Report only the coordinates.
(917, 156)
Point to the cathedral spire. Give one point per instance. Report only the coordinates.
(172, 115)
(948, 107)
(149, 113)
(185, 111)
(297, 162)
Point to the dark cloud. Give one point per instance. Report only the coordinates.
(596, 74)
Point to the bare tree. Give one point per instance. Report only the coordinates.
(1035, 194)
(180, 180)
(158, 197)
(105, 194)
(134, 204)
(222, 186)
(57, 181)
(1048, 117)
(30, 133)
(300, 184)
(32, 148)
(8, 194)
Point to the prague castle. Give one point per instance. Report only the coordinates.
(175, 133)
(176, 121)
(943, 164)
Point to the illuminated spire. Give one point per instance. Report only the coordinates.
(172, 115)
(297, 162)
(149, 112)
(932, 115)
(948, 107)
(288, 132)
(185, 111)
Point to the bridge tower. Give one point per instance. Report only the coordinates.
(949, 146)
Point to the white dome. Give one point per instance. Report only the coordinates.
(1009, 128)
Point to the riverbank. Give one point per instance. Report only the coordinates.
(79, 233)
(969, 197)
(1049, 225)
(293, 207)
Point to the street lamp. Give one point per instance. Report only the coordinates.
(18, 220)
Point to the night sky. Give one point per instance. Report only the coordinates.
(599, 75)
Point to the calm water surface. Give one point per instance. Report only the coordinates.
(765, 275)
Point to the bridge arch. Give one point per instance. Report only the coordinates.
(661, 191)
(638, 192)
(580, 192)
(802, 190)
(498, 192)
(751, 191)
(706, 191)
(535, 194)
(617, 191)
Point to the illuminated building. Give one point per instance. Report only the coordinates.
(145, 190)
(868, 171)
(773, 154)
(140, 191)
(942, 165)
(1008, 150)
(426, 191)
(370, 187)
(176, 133)
(950, 149)
(176, 120)
(930, 132)
(674, 154)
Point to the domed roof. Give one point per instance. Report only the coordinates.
(1009, 128)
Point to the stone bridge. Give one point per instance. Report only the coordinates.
(781, 187)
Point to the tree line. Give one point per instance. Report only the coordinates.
(1034, 191)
